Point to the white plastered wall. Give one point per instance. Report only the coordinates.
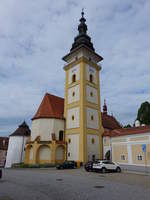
(74, 70)
(15, 153)
(92, 99)
(93, 149)
(73, 147)
(73, 123)
(45, 127)
(91, 70)
(93, 124)
(76, 91)
(82, 53)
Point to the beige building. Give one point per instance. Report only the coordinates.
(130, 147)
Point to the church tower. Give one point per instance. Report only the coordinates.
(83, 131)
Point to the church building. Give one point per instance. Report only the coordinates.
(71, 128)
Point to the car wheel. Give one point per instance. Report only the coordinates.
(103, 170)
(118, 169)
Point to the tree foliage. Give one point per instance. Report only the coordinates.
(144, 113)
(127, 126)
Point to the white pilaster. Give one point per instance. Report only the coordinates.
(129, 152)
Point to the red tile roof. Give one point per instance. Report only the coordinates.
(22, 130)
(51, 107)
(4, 143)
(109, 122)
(127, 131)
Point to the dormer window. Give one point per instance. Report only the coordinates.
(73, 78)
(91, 78)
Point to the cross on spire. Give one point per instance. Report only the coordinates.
(82, 13)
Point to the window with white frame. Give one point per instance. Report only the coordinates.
(139, 157)
(123, 157)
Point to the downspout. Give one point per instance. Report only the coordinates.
(22, 150)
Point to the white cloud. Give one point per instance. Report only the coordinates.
(35, 35)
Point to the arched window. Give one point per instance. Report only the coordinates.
(91, 94)
(61, 135)
(93, 157)
(73, 78)
(91, 78)
(93, 141)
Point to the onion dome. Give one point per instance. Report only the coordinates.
(82, 39)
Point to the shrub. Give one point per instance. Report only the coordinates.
(23, 165)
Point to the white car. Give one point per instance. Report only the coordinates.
(105, 165)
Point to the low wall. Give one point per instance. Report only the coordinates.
(136, 168)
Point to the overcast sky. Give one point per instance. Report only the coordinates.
(36, 34)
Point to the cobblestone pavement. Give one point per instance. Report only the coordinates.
(47, 184)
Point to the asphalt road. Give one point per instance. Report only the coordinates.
(47, 184)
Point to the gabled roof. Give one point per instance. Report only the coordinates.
(51, 107)
(4, 143)
(109, 122)
(127, 131)
(22, 130)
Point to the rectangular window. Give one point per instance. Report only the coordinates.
(139, 157)
(123, 157)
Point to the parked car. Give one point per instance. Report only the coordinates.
(67, 165)
(106, 165)
(0, 173)
(89, 166)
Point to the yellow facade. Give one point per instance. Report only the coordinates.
(118, 152)
(128, 149)
(36, 145)
(82, 130)
(86, 136)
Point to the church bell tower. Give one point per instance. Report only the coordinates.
(82, 111)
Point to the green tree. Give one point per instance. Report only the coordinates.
(144, 113)
(127, 126)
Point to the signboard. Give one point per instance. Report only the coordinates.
(144, 148)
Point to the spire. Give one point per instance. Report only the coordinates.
(82, 27)
(82, 39)
(105, 107)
